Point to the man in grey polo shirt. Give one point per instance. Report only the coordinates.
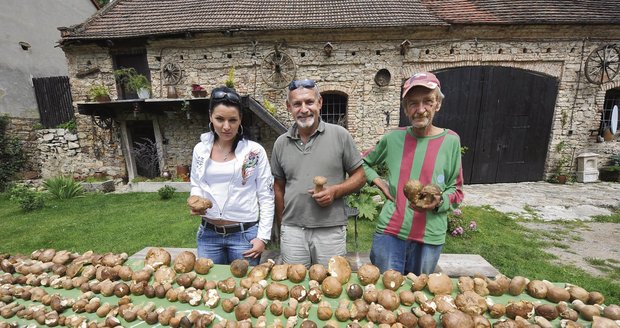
(313, 224)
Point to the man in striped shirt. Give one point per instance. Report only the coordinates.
(409, 238)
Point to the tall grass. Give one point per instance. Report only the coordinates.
(62, 187)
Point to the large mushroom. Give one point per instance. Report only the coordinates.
(339, 268)
(156, 257)
(199, 204)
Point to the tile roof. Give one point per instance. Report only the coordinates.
(139, 18)
(526, 11)
(135, 18)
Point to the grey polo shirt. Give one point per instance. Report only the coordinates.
(330, 152)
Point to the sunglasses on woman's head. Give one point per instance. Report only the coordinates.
(296, 84)
(223, 95)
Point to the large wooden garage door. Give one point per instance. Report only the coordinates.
(504, 117)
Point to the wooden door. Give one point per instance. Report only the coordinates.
(503, 116)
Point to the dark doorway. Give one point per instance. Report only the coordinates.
(144, 148)
(503, 116)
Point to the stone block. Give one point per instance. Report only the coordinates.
(106, 186)
(587, 176)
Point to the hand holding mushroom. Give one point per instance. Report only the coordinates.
(324, 196)
(198, 205)
(422, 197)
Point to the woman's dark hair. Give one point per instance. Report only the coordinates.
(229, 97)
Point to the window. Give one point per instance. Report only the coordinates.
(334, 109)
(612, 97)
(136, 58)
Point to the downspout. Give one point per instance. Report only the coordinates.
(572, 112)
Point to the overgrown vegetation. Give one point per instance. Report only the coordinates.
(69, 125)
(12, 156)
(166, 192)
(368, 202)
(62, 187)
(28, 199)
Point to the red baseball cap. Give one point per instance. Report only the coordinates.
(424, 79)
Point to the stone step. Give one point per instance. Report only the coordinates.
(454, 265)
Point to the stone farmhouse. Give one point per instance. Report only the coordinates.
(529, 84)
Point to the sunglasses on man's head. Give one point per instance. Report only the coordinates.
(223, 95)
(296, 84)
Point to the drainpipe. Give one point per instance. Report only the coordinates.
(572, 112)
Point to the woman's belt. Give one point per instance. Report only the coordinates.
(230, 228)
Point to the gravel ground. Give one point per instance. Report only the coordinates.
(555, 207)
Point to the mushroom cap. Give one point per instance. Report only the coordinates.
(198, 203)
(319, 180)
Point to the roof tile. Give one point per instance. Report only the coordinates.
(139, 18)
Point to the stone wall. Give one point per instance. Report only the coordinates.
(349, 69)
(61, 152)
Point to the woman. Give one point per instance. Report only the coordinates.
(234, 174)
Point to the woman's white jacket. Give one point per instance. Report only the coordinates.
(250, 190)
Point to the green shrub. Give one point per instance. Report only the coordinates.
(69, 125)
(614, 160)
(28, 199)
(63, 187)
(365, 203)
(17, 191)
(12, 157)
(166, 192)
(31, 201)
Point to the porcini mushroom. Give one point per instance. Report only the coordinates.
(319, 182)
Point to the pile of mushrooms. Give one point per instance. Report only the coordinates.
(112, 293)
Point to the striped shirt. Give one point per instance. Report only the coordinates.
(434, 159)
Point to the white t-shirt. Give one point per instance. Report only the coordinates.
(218, 176)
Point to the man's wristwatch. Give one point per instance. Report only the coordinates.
(265, 241)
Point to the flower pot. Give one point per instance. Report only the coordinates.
(561, 179)
(199, 94)
(172, 92)
(183, 172)
(104, 98)
(143, 93)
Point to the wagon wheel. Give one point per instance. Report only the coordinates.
(171, 73)
(603, 64)
(105, 123)
(278, 69)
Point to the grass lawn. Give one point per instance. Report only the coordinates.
(130, 222)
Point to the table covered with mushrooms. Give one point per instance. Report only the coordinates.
(61, 288)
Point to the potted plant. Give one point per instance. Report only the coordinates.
(230, 80)
(562, 166)
(133, 81)
(198, 91)
(99, 93)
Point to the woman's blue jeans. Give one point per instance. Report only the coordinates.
(224, 248)
(390, 252)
